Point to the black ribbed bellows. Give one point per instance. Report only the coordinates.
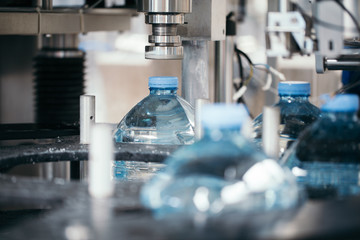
(59, 82)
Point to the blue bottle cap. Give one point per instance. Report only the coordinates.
(341, 103)
(294, 88)
(222, 115)
(163, 82)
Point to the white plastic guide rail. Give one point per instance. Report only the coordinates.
(271, 122)
(101, 157)
(198, 106)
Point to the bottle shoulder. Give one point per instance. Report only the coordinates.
(295, 117)
(156, 106)
(158, 119)
(298, 108)
(184, 103)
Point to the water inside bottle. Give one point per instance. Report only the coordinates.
(160, 118)
(135, 170)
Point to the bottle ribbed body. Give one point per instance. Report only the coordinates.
(326, 158)
(225, 169)
(296, 114)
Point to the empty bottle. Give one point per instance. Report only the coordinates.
(326, 158)
(221, 173)
(162, 117)
(296, 113)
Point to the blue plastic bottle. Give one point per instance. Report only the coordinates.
(296, 113)
(162, 117)
(221, 173)
(326, 158)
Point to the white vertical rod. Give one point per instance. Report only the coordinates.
(101, 157)
(271, 122)
(198, 126)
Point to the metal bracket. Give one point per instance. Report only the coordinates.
(280, 24)
(206, 22)
(34, 21)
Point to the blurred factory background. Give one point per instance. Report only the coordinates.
(116, 71)
(53, 52)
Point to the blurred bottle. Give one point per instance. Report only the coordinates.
(326, 158)
(296, 113)
(162, 117)
(350, 83)
(221, 173)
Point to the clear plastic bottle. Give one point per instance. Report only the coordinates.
(326, 158)
(221, 173)
(296, 113)
(162, 117)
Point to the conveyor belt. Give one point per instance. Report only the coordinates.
(69, 212)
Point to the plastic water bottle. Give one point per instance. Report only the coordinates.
(296, 113)
(326, 158)
(221, 173)
(162, 117)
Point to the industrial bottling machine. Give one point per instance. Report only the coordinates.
(39, 41)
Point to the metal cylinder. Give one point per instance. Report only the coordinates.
(87, 117)
(283, 6)
(164, 52)
(51, 170)
(224, 52)
(47, 4)
(220, 56)
(195, 71)
(60, 41)
(336, 64)
(228, 86)
(164, 6)
(167, 44)
(165, 16)
(164, 19)
(87, 120)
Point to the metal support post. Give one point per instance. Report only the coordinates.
(195, 71)
(87, 121)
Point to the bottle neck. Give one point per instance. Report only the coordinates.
(163, 91)
(219, 134)
(341, 116)
(288, 98)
